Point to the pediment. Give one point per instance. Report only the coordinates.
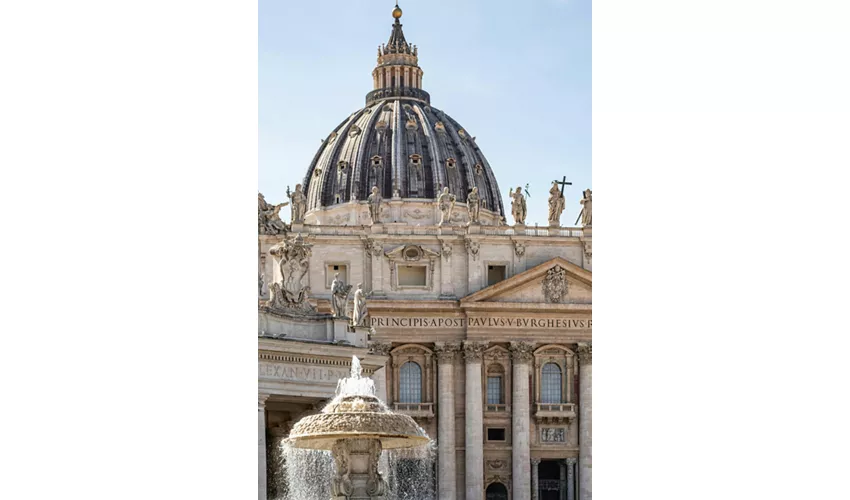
(555, 282)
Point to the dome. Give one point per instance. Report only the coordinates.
(399, 143)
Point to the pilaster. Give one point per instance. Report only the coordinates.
(571, 487)
(447, 288)
(446, 461)
(535, 478)
(473, 353)
(585, 418)
(521, 354)
(261, 418)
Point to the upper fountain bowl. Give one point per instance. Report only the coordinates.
(357, 417)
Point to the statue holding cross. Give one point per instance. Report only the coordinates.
(563, 184)
(556, 202)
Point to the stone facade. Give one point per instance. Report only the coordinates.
(463, 325)
(481, 332)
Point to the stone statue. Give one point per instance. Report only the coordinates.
(375, 205)
(268, 217)
(339, 296)
(518, 208)
(585, 214)
(473, 206)
(299, 204)
(261, 285)
(291, 293)
(556, 205)
(446, 203)
(359, 311)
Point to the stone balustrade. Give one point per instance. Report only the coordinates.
(555, 412)
(405, 230)
(415, 410)
(497, 408)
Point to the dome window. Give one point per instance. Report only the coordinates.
(462, 134)
(440, 128)
(342, 165)
(450, 163)
(479, 169)
(381, 125)
(377, 162)
(415, 160)
(355, 131)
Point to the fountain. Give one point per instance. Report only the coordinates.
(355, 427)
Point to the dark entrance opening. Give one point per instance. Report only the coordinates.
(497, 491)
(549, 480)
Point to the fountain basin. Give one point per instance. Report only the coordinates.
(357, 417)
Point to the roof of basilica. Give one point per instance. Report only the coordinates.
(399, 143)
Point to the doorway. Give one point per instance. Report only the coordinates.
(497, 491)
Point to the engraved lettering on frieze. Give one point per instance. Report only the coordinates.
(279, 371)
(484, 322)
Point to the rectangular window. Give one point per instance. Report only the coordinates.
(412, 275)
(494, 390)
(495, 274)
(495, 434)
(332, 269)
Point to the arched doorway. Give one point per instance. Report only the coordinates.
(497, 491)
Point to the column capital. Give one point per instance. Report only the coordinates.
(522, 352)
(571, 460)
(447, 351)
(535, 462)
(474, 351)
(585, 354)
(380, 348)
(261, 401)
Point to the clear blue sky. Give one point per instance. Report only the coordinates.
(516, 75)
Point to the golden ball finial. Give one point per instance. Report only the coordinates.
(396, 12)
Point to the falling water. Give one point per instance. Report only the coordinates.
(410, 473)
(308, 474)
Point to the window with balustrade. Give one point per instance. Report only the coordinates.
(551, 383)
(410, 383)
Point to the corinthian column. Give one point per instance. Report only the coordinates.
(446, 454)
(571, 490)
(261, 414)
(473, 351)
(585, 418)
(521, 354)
(535, 478)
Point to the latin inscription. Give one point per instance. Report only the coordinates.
(279, 371)
(526, 323)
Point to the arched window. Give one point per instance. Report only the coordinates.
(551, 386)
(497, 491)
(410, 383)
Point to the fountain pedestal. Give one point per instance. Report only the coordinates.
(356, 476)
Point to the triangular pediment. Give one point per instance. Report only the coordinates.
(556, 281)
